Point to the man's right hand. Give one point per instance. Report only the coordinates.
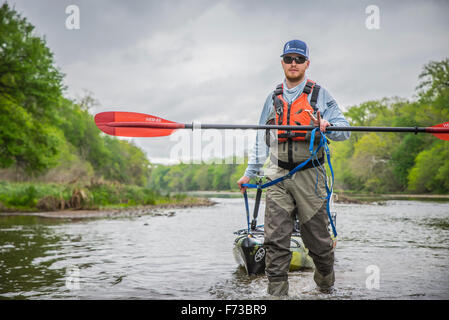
(241, 181)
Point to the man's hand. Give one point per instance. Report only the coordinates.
(241, 181)
(318, 121)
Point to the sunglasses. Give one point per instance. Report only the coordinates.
(290, 59)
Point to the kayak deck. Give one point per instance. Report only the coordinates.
(249, 251)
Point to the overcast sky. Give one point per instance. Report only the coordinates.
(216, 61)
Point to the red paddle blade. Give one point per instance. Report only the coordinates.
(123, 124)
(441, 131)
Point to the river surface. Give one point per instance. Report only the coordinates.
(398, 250)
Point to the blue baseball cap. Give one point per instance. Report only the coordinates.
(296, 46)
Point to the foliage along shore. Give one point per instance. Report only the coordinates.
(44, 197)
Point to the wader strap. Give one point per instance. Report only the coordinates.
(290, 166)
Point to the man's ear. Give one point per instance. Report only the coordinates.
(308, 64)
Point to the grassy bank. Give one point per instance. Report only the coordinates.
(52, 197)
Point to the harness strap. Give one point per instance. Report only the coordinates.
(314, 98)
(291, 134)
(290, 166)
(308, 87)
(277, 103)
(279, 89)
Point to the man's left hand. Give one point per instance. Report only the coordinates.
(318, 121)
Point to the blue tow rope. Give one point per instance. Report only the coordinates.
(313, 152)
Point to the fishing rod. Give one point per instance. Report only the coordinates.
(134, 124)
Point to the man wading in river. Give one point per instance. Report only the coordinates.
(297, 100)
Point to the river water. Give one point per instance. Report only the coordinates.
(397, 250)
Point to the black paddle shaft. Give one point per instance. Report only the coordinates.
(309, 128)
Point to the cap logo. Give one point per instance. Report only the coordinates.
(296, 46)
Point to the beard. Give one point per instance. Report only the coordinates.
(297, 78)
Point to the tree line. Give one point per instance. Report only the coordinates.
(395, 162)
(189, 177)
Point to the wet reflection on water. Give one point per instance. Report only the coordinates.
(23, 241)
(188, 255)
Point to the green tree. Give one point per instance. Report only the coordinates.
(39, 127)
(434, 81)
(431, 170)
(30, 90)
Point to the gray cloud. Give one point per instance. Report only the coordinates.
(216, 61)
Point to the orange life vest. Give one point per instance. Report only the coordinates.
(295, 113)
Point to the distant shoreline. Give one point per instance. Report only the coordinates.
(163, 209)
(369, 198)
(339, 197)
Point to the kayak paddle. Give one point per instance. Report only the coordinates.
(133, 124)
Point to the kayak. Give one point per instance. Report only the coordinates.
(249, 251)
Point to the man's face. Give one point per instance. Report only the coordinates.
(294, 71)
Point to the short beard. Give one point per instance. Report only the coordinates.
(295, 79)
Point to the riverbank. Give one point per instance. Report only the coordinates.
(162, 209)
(35, 197)
(370, 198)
